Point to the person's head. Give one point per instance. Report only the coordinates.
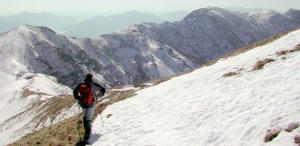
(89, 76)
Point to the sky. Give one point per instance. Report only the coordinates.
(203, 108)
(110, 7)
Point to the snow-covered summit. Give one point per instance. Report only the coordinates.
(208, 11)
(293, 13)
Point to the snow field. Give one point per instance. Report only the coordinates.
(16, 109)
(204, 108)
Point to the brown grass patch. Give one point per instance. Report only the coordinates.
(260, 64)
(69, 131)
(271, 135)
(230, 74)
(297, 139)
(283, 52)
(28, 92)
(109, 115)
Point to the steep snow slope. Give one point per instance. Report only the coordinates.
(30, 102)
(209, 107)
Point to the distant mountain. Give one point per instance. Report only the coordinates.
(36, 19)
(74, 29)
(247, 10)
(174, 16)
(41, 19)
(293, 13)
(7, 25)
(90, 28)
(141, 52)
(220, 29)
(103, 25)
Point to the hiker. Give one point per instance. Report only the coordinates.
(87, 99)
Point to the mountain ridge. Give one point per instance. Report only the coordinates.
(135, 54)
(241, 69)
(181, 40)
(95, 27)
(40, 19)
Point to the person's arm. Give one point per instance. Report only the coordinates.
(76, 91)
(102, 89)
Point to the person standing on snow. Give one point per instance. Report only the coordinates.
(86, 95)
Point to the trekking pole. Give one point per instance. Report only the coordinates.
(102, 120)
(101, 117)
(102, 123)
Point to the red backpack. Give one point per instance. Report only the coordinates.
(86, 94)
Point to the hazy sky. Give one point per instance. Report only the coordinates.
(109, 7)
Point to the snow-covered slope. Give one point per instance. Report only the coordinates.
(28, 100)
(210, 107)
(31, 101)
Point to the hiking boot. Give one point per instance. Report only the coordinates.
(87, 124)
(86, 137)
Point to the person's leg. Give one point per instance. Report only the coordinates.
(84, 111)
(87, 121)
(89, 113)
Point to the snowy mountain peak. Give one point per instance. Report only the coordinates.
(28, 30)
(291, 10)
(18, 30)
(22, 27)
(204, 12)
(263, 12)
(293, 13)
(215, 11)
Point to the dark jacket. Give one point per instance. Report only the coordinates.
(95, 87)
